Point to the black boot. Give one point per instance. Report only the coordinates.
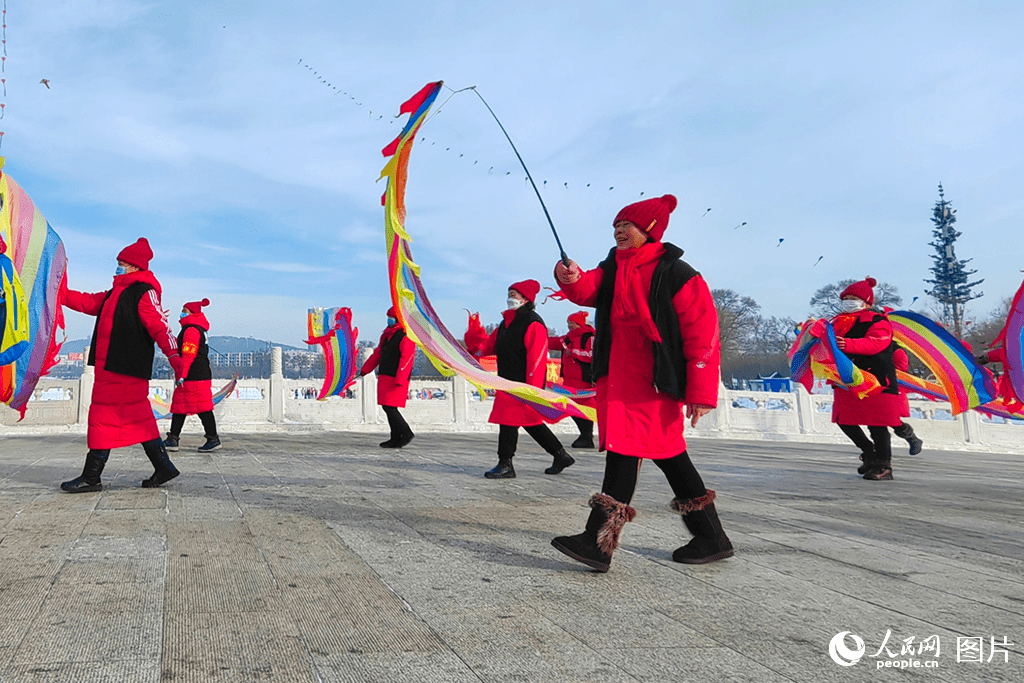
(594, 547)
(404, 439)
(867, 457)
(562, 460)
(905, 431)
(390, 443)
(164, 469)
(90, 479)
(584, 441)
(503, 470)
(880, 470)
(171, 442)
(709, 542)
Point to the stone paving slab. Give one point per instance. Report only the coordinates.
(320, 557)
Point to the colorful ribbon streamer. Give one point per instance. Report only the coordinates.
(331, 329)
(417, 315)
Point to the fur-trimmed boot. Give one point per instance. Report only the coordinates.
(709, 542)
(164, 469)
(594, 547)
(90, 480)
(562, 460)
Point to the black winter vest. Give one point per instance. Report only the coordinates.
(391, 355)
(510, 344)
(881, 364)
(670, 274)
(200, 368)
(130, 351)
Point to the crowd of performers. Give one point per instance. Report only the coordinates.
(651, 360)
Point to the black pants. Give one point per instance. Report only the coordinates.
(586, 427)
(399, 427)
(621, 472)
(153, 448)
(880, 442)
(508, 438)
(904, 431)
(209, 424)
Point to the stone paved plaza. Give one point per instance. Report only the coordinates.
(320, 557)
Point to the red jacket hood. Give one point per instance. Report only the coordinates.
(198, 319)
(580, 331)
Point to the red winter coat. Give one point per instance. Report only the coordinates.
(880, 410)
(507, 409)
(392, 391)
(121, 414)
(633, 418)
(574, 351)
(902, 363)
(194, 396)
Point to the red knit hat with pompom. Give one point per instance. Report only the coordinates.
(194, 307)
(392, 313)
(579, 317)
(137, 254)
(862, 290)
(650, 215)
(528, 288)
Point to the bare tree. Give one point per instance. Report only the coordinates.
(980, 332)
(825, 302)
(737, 316)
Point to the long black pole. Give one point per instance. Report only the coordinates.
(565, 259)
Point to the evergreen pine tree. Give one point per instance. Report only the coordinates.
(950, 286)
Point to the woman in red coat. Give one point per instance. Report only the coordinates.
(656, 353)
(193, 393)
(577, 349)
(521, 345)
(394, 356)
(865, 335)
(129, 318)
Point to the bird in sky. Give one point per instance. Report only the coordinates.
(46, 82)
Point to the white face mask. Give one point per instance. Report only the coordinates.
(513, 303)
(852, 305)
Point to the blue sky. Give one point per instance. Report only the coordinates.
(829, 125)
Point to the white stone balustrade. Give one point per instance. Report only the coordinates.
(279, 404)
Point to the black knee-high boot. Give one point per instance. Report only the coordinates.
(709, 542)
(164, 469)
(95, 460)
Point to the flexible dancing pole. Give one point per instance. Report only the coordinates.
(565, 259)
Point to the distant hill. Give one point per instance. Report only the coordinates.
(220, 344)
